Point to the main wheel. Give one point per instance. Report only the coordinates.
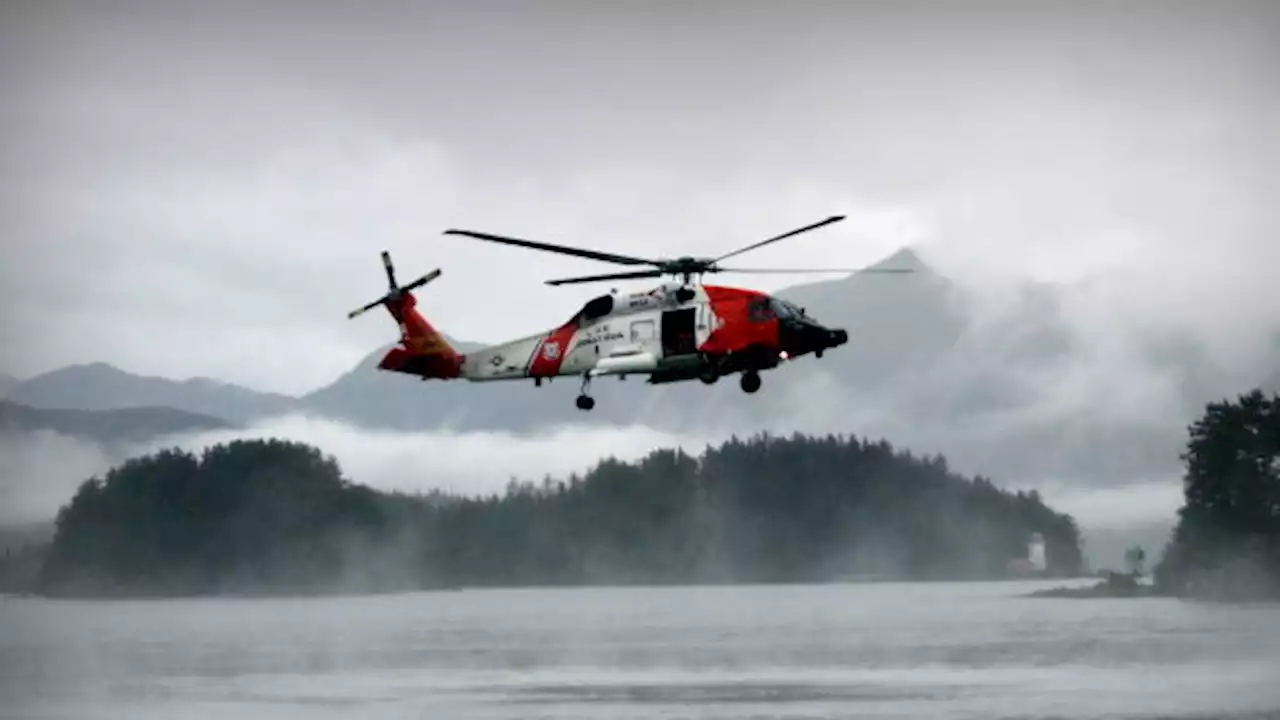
(585, 402)
(709, 376)
(750, 382)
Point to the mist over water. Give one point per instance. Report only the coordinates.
(877, 650)
(39, 472)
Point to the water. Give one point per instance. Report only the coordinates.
(867, 651)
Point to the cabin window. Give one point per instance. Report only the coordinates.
(641, 331)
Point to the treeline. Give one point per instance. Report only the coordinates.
(1226, 544)
(272, 516)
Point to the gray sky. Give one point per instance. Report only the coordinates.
(203, 188)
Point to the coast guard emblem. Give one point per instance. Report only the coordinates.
(551, 350)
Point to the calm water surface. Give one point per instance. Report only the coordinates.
(865, 651)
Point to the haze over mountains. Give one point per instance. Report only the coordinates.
(1016, 388)
(99, 386)
(119, 426)
(923, 360)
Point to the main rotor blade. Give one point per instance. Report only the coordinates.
(776, 238)
(562, 249)
(816, 270)
(611, 276)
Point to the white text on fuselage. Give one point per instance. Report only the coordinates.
(597, 338)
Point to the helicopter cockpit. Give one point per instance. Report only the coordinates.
(786, 310)
(769, 308)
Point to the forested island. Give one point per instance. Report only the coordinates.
(1226, 544)
(269, 516)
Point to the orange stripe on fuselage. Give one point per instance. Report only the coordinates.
(551, 352)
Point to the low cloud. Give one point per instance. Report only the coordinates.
(462, 462)
(39, 472)
(1117, 508)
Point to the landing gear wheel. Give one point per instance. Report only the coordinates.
(817, 353)
(709, 376)
(750, 382)
(585, 401)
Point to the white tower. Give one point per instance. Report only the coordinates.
(1035, 552)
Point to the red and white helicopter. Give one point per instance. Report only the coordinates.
(675, 331)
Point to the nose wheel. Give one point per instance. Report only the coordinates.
(585, 401)
(750, 382)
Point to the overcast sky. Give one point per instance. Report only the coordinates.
(203, 188)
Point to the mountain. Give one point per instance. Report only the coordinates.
(109, 427)
(372, 398)
(922, 324)
(1008, 384)
(99, 386)
(1014, 387)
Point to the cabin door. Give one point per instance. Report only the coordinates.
(678, 336)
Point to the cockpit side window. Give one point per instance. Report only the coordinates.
(595, 308)
(598, 307)
(786, 310)
(782, 309)
(760, 310)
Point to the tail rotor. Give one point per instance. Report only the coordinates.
(394, 291)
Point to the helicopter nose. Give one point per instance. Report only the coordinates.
(799, 337)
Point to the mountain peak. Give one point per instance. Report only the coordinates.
(101, 386)
(91, 369)
(904, 259)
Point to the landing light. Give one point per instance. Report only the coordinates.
(784, 355)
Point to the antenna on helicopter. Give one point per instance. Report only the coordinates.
(394, 292)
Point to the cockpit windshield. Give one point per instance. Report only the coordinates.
(786, 310)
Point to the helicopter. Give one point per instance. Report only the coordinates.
(675, 331)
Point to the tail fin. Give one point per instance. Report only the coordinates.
(423, 351)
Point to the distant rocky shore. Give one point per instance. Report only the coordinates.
(1113, 585)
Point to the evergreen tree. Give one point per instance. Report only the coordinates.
(1227, 540)
(268, 516)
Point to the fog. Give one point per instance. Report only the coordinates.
(1124, 154)
(469, 463)
(202, 189)
(1128, 151)
(39, 472)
